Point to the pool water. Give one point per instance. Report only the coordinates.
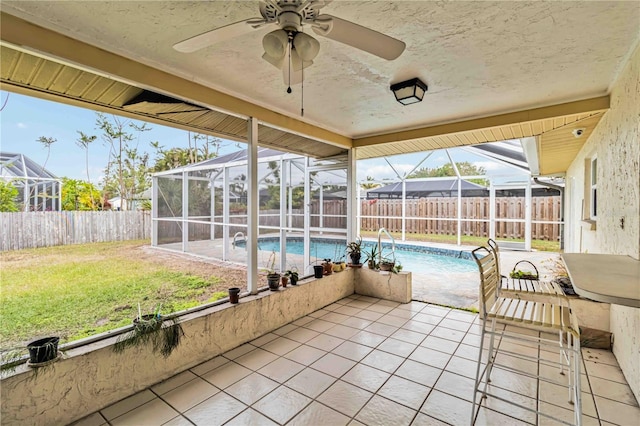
(415, 259)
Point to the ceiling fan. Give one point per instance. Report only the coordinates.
(288, 47)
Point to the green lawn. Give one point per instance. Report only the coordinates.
(77, 291)
(540, 245)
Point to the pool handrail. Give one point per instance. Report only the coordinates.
(241, 234)
(393, 244)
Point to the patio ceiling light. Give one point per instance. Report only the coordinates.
(410, 91)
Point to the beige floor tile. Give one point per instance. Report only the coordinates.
(342, 331)
(462, 366)
(333, 365)
(397, 347)
(352, 351)
(427, 318)
(453, 384)
(282, 404)
(503, 407)
(368, 315)
(360, 304)
(310, 382)
(332, 307)
(440, 344)
(301, 335)
(178, 421)
(493, 418)
(424, 420)
(345, 398)
(430, 357)
(355, 423)
(448, 333)
(436, 310)
(325, 342)
(302, 321)
(265, 339)
(250, 417)
(368, 299)
(189, 394)
(559, 395)
(612, 390)
(251, 388)
(381, 329)
(319, 325)
(226, 375)
(335, 317)
(392, 320)
(389, 303)
(348, 310)
(467, 352)
(383, 361)
(605, 371)
(616, 412)
(562, 414)
(459, 315)
(319, 313)
(419, 372)
(418, 327)
(317, 414)
(256, 359)
(407, 314)
(366, 377)
(599, 355)
(380, 308)
(207, 366)
(382, 412)
(454, 324)
(154, 412)
(409, 336)
(305, 355)
(356, 322)
(216, 410)
(281, 370)
(94, 419)
(281, 345)
(173, 382)
(404, 392)
(447, 408)
(239, 351)
(127, 404)
(513, 382)
(367, 338)
(285, 329)
(523, 365)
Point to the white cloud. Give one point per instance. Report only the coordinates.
(21, 126)
(382, 171)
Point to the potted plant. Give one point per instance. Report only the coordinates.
(163, 334)
(354, 248)
(524, 275)
(273, 277)
(284, 279)
(43, 351)
(387, 264)
(338, 264)
(327, 266)
(293, 275)
(371, 257)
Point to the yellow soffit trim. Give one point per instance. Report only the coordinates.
(570, 108)
(29, 36)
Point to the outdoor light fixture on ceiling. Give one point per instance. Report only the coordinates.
(410, 91)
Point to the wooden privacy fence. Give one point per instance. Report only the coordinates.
(543, 209)
(45, 229)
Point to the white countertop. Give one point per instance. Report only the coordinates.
(605, 277)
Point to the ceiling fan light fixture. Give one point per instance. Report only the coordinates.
(410, 91)
(306, 46)
(275, 43)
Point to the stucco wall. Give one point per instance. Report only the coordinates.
(616, 143)
(93, 376)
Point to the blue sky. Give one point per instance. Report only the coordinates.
(24, 119)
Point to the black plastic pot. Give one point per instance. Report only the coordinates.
(234, 295)
(274, 281)
(318, 271)
(43, 350)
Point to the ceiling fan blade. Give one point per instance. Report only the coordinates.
(218, 35)
(359, 37)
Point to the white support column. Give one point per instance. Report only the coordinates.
(212, 207)
(459, 211)
(154, 211)
(404, 209)
(307, 217)
(527, 216)
(252, 206)
(492, 210)
(225, 213)
(352, 191)
(321, 208)
(185, 211)
(290, 195)
(283, 217)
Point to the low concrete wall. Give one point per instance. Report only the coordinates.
(93, 376)
(394, 287)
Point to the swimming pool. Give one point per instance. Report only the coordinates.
(414, 258)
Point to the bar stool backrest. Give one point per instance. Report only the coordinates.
(489, 277)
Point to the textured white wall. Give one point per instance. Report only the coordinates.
(616, 142)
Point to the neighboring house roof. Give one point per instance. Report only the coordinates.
(428, 188)
(20, 166)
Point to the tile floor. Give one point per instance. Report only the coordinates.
(365, 361)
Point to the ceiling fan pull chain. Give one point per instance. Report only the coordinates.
(290, 45)
(302, 94)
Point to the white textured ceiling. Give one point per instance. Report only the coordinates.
(478, 58)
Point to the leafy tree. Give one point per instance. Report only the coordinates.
(369, 184)
(8, 196)
(167, 159)
(127, 172)
(84, 141)
(79, 195)
(465, 168)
